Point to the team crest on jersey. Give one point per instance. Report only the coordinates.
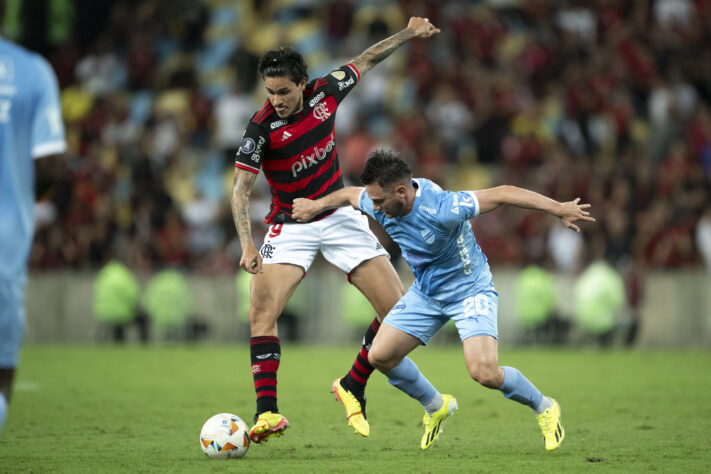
(339, 75)
(428, 236)
(321, 112)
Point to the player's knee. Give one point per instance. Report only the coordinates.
(380, 360)
(374, 359)
(262, 322)
(486, 374)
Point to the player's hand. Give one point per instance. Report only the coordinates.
(251, 261)
(422, 27)
(304, 209)
(571, 211)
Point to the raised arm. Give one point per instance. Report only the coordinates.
(416, 28)
(305, 209)
(251, 261)
(567, 212)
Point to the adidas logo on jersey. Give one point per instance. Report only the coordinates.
(285, 136)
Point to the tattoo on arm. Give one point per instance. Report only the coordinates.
(379, 51)
(243, 183)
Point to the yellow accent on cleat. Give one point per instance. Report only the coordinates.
(354, 411)
(434, 423)
(268, 424)
(551, 427)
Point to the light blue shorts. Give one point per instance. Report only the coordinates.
(12, 321)
(474, 314)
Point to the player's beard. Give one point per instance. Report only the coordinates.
(395, 210)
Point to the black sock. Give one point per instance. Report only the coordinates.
(357, 378)
(265, 353)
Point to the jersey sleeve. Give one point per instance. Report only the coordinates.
(341, 81)
(47, 126)
(255, 142)
(366, 205)
(457, 206)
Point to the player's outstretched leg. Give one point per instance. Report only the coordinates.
(354, 405)
(434, 423)
(350, 390)
(266, 425)
(517, 387)
(551, 427)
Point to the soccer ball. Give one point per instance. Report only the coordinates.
(224, 436)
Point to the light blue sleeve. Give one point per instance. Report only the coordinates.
(47, 126)
(366, 204)
(456, 207)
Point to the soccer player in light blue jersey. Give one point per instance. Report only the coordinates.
(452, 281)
(30, 128)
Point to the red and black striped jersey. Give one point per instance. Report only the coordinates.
(298, 154)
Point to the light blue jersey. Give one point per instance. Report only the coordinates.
(30, 127)
(452, 276)
(437, 241)
(452, 282)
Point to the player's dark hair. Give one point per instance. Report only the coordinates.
(283, 61)
(385, 167)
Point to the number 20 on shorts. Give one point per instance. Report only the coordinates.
(476, 305)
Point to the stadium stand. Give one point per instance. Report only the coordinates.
(608, 101)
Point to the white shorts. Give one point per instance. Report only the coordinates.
(343, 238)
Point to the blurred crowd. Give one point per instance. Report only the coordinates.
(603, 100)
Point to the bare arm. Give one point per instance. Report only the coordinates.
(416, 28)
(251, 261)
(567, 212)
(305, 209)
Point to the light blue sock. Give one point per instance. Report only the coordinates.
(518, 388)
(408, 378)
(3, 410)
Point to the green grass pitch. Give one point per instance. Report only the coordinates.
(134, 409)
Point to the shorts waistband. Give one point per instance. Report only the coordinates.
(283, 218)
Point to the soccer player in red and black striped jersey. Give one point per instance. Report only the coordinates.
(292, 139)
